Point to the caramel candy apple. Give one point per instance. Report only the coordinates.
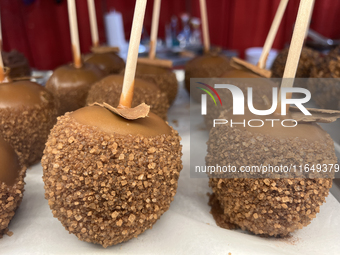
(108, 62)
(163, 77)
(264, 206)
(109, 88)
(262, 87)
(326, 92)
(210, 65)
(27, 113)
(70, 85)
(12, 183)
(109, 179)
(308, 60)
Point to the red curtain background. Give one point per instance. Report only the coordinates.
(40, 30)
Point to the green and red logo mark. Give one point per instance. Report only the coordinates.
(209, 93)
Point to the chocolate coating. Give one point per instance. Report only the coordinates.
(163, 77)
(105, 187)
(9, 163)
(326, 92)
(27, 113)
(211, 65)
(11, 184)
(109, 63)
(22, 93)
(17, 62)
(70, 85)
(268, 207)
(111, 123)
(108, 90)
(261, 87)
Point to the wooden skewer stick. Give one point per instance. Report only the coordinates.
(72, 15)
(2, 68)
(0, 35)
(131, 62)
(93, 23)
(272, 33)
(310, 19)
(301, 26)
(154, 28)
(151, 60)
(260, 67)
(205, 28)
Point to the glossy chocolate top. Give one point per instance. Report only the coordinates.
(105, 61)
(111, 123)
(16, 94)
(9, 163)
(68, 76)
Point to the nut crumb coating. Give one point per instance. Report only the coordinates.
(27, 128)
(107, 189)
(166, 82)
(326, 90)
(10, 199)
(308, 60)
(268, 207)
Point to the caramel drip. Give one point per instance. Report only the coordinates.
(126, 98)
(96, 43)
(2, 74)
(76, 58)
(152, 52)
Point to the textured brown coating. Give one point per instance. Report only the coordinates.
(210, 65)
(108, 90)
(108, 188)
(17, 62)
(222, 220)
(261, 87)
(326, 92)
(163, 77)
(271, 207)
(334, 53)
(26, 123)
(109, 62)
(111, 123)
(12, 189)
(308, 60)
(70, 85)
